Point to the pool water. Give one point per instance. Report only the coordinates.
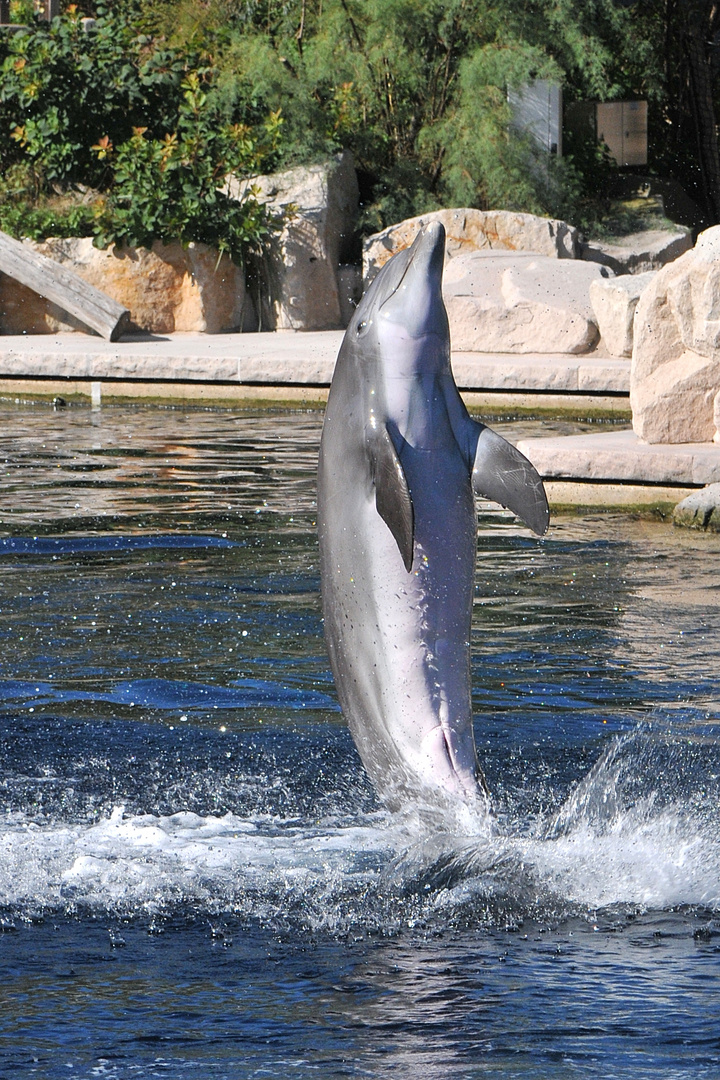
(196, 880)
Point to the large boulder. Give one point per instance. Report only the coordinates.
(167, 288)
(675, 403)
(475, 230)
(299, 278)
(675, 374)
(639, 252)
(515, 302)
(614, 301)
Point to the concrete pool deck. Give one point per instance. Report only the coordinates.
(598, 469)
(288, 366)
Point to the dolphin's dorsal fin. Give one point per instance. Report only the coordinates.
(503, 474)
(392, 495)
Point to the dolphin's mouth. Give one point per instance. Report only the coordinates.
(426, 257)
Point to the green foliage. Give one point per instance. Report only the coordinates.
(122, 112)
(22, 11)
(418, 89)
(164, 98)
(26, 211)
(62, 89)
(170, 188)
(487, 161)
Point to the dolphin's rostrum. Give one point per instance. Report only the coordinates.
(400, 460)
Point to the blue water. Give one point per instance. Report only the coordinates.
(196, 879)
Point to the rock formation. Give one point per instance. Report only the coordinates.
(167, 288)
(675, 375)
(517, 302)
(520, 284)
(701, 510)
(614, 301)
(299, 288)
(475, 230)
(303, 285)
(639, 252)
(514, 283)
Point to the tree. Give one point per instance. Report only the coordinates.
(418, 89)
(690, 49)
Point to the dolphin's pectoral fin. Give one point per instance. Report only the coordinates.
(503, 474)
(392, 495)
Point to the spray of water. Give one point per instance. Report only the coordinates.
(641, 829)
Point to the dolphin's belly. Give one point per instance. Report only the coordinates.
(398, 640)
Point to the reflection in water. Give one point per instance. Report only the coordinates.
(132, 462)
(195, 877)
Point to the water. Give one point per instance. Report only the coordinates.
(196, 880)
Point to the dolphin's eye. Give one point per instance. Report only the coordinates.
(361, 327)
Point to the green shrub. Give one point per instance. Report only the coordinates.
(120, 112)
(164, 98)
(171, 188)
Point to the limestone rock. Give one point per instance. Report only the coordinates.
(656, 335)
(639, 252)
(685, 297)
(675, 374)
(716, 418)
(675, 403)
(300, 273)
(614, 301)
(701, 510)
(694, 295)
(475, 230)
(168, 288)
(519, 303)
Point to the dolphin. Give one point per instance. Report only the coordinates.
(400, 460)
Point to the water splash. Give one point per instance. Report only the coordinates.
(642, 826)
(623, 837)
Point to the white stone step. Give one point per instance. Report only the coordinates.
(620, 457)
(286, 358)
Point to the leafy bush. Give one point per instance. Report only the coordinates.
(170, 188)
(165, 97)
(28, 210)
(120, 112)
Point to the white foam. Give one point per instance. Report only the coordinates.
(601, 849)
(131, 862)
(654, 862)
